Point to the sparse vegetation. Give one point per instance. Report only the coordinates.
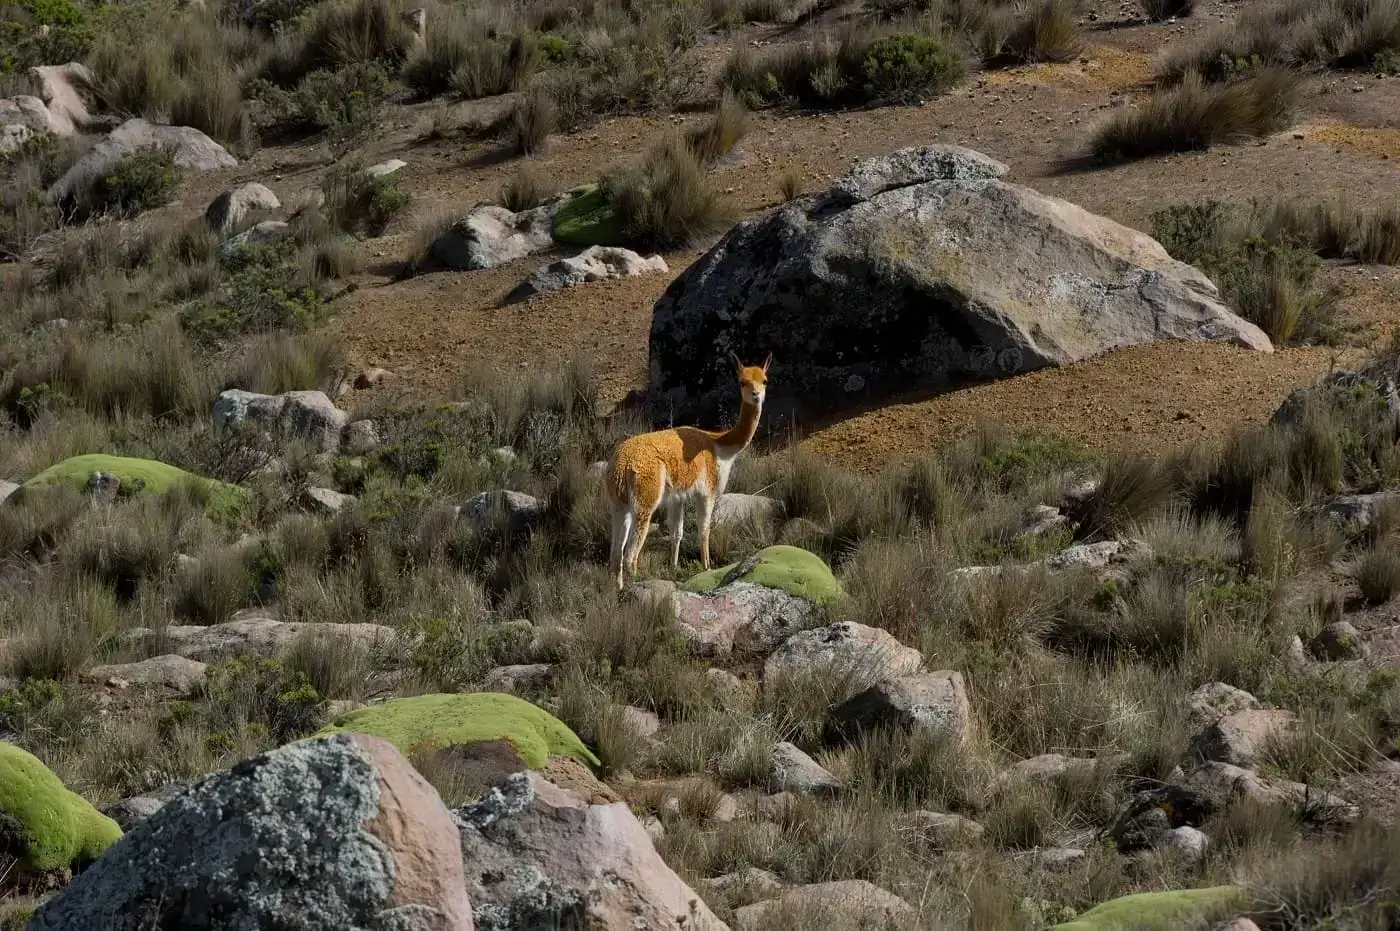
(527, 189)
(666, 201)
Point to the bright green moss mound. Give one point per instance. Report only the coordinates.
(475, 717)
(586, 219)
(1159, 911)
(789, 568)
(222, 499)
(57, 827)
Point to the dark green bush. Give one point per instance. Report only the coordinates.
(143, 180)
(906, 68)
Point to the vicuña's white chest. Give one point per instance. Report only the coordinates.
(724, 462)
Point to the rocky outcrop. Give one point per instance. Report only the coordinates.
(935, 702)
(596, 263)
(916, 271)
(230, 208)
(60, 87)
(194, 151)
(492, 235)
(846, 652)
(520, 875)
(250, 634)
(343, 831)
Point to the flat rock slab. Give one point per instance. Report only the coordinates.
(596, 263)
(253, 636)
(842, 904)
(846, 651)
(173, 672)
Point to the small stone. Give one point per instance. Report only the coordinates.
(795, 771)
(1214, 700)
(522, 677)
(1186, 842)
(941, 830)
(644, 724)
(726, 809)
(361, 437)
(386, 168)
(1058, 858)
(1338, 641)
(750, 884)
(327, 501)
(372, 377)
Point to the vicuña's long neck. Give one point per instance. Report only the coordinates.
(741, 434)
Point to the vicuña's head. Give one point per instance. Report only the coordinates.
(753, 379)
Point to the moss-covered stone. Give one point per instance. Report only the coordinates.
(44, 823)
(222, 499)
(793, 570)
(1159, 911)
(587, 219)
(460, 720)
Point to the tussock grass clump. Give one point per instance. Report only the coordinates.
(1196, 115)
(718, 135)
(1264, 270)
(344, 33)
(358, 202)
(527, 188)
(1378, 574)
(1295, 33)
(533, 118)
(666, 201)
(1335, 230)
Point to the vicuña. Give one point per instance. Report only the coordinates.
(669, 466)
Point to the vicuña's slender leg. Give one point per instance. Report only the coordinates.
(675, 526)
(622, 522)
(707, 506)
(639, 539)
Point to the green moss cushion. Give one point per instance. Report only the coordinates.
(458, 720)
(587, 219)
(223, 500)
(1159, 911)
(55, 827)
(789, 568)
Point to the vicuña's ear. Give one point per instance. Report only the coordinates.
(734, 360)
(767, 362)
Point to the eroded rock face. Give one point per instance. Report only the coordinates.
(522, 873)
(916, 272)
(344, 833)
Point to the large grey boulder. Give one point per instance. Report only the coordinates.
(1356, 513)
(492, 235)
(330, 834)
(935, 702)
(308, 416)
(230, 208)
(845, 652)
(1241, 738)
(539, 856)
(194, 151)
(743, 616)
(900, 279)
(596, 263)
(60, 87)
(515, 510)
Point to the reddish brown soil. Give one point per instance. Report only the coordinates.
(431, 329)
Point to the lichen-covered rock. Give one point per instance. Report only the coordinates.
(786, 568)
(308, 416)
(903, 284)
(518, 511)
(230, 208)
(145, 475)
(43, 825)
(1338, 641)
(194, 151)
(518, 677)
(935, 702)
(538, 856)
(1159, 911)
(1215, 700)
(915, 165)
(847, 652)
(330, 834)
(846, 903)
(449, 720)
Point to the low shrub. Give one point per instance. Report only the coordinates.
(360, 203)
(532, 119)
(666, 201)
(905, 68)
(143, 180)
(344, 103)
